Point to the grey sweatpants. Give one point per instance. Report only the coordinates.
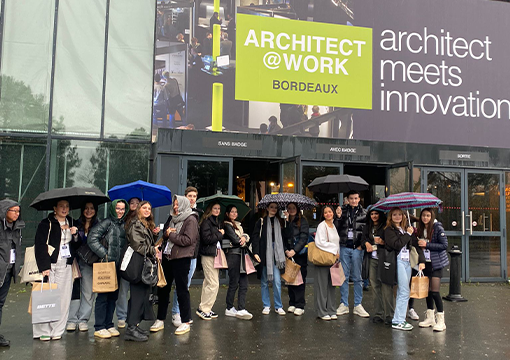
(324, 292)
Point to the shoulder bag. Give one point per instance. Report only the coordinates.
(320, 257)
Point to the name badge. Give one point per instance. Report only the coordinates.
(13, 256)
(350, 234)
(218, 245)
(374, 255)
(64, 252)
(426, 252)
(168, 249)
(374, 247)
(404, 254)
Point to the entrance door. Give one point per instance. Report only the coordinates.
(209, 175)
(472, 217)
(290, 178)
(399, 178)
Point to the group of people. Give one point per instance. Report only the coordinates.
(364, 243)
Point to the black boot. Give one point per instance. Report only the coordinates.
(142, 331)
(4, 342)
(132, 334)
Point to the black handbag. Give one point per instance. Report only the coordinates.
(86, 254)
(226, 244)
(133, 272)
(387, 266)
(150, 271)
(365, 269)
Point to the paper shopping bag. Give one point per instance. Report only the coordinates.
(220, 261)
(298, 281)
(45, 304)
(419, 286)
(337, 274)
(161, 276)
(250, 269)
(104, 277)
(36, 286)
(291, 270)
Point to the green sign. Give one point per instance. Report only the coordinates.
(303, 62)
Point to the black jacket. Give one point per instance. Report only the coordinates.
(358, 223)
(367, 235)
(259, 238)
(396, 241)
(43, 259)
(8, 236)
(233, 237)
(209, 236)
(293, 232)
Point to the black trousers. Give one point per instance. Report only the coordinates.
(4, 290)
(178, 270)
(236, 280)
(297, 293)
(139, 306)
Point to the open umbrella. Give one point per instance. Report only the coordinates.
(407, 201)
(284, 199)
(334, 184)
(157, 195)
(224, 201)
(77, 196)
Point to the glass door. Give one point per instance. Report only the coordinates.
(290, 177)
(399, 178)
(209, 175)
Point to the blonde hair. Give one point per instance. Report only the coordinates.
(389, 221)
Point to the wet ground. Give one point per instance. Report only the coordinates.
(477, 329)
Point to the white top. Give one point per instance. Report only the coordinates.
(327, 238)
(65, 235)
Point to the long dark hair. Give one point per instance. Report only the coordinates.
(227, 219)
(429, 226)
(370, 223)
(208, 211)
(298, 215)
(277, 216)
(149, 221)
(83, 220)
(324, 208)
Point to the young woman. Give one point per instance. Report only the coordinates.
(181, 238)
(56, 231)
(326, 239)
(268, 245)
(296, 234)
(81, 309)
(400, 238)
(372, 241)
(433, 241)
(235, 260)
(112, 230)
(211, 234)
(141, 238)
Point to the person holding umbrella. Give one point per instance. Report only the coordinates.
(112, 230)
(10, 251)
(296, 233)
(268, 245)
(57, 231)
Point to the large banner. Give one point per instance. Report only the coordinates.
(425, 71)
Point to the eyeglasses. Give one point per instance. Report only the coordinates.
(120, 209)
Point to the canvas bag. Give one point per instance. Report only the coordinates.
(131, 266)
(419, 286)
(30, 271)
(337, 274)
(291, 270)
(46, 304)
(320, 257)
(104, 277)
(298, 281)
(161, 276)
(220, 261)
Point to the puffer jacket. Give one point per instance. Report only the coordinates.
(9, 235)
(112, 229)
(359, 221)
(293, 231)
(437, 246)
(209, 236)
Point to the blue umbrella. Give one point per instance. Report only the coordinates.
(157, 195)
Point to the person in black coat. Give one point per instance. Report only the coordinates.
(400, 238)
(296, 235)
(215, 20)
(372, 242)
(211, 234)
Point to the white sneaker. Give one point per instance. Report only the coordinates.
(299, 312)
(244, 315)
(333, 317)
(176, 320)
(83, 326)
(280, 311)
(158, 325)
(231, 312)
(360, 311)
(121, 324)
(412, 314)
(183, 329)
(71, 327)
(291, 309)
(266, 311)
(342, 310)
(103, 334)
(326, 318)
(114, 332)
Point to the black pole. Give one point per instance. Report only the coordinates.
(455, 275)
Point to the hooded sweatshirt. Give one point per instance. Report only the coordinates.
(112, 231)
(10, 238)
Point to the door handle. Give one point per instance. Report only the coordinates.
(463, 223)
(470, 223)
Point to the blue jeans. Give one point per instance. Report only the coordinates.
(352, 261)
(192, 268)
(277, 288)
(403, 279)
(122, 301)
(80, 310)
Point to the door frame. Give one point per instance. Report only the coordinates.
(184, 169)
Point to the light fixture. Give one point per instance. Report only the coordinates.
(290, 185)
(271, 183)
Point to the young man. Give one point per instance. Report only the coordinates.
(191, 193)
(10, 250)
(350, 227)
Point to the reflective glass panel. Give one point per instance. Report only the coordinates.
(447, 187)
(484, 200)
(309, 174)
(209, 177)
(485, 256)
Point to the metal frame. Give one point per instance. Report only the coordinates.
(184, 169)
(409, 165)
(297, 174)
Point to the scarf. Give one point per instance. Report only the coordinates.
(177, 221)
(279, 255)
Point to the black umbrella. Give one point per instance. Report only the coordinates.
(334, 184)
(77, 196)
